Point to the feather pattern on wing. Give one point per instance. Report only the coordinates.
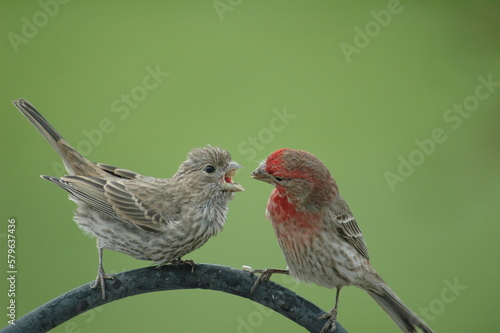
(348, 228)
(113, 198)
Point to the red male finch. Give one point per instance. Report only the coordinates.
(319, 236)
(157, 219)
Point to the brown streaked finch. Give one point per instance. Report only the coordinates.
(319, 236)
(156, 219)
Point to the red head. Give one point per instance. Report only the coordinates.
(300, 177)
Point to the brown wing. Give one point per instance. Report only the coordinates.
(131, 206)
(348, 228)
(121, 173)
(115, 199)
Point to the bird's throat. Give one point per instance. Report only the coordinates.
(282, 211)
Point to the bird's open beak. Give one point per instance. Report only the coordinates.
(228, 184)
(261, 174)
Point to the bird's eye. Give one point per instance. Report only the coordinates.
(209, 169)
(279, 179)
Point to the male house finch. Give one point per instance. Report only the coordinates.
(157, 219)
(318, 235)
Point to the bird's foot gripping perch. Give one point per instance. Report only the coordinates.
(331, 323)
(179, 261)
(265, 274)
(99, 281)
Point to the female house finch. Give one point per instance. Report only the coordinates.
(157, 219)
(318, 235)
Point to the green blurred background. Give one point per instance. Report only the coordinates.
(233, 66)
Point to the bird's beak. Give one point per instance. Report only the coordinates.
(228, 184)
(261, 174)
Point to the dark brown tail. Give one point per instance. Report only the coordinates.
(406, 320)
(73, 160)
(40, 123)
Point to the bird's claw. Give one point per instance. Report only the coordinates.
(179, 261)
(265, 274)
(331, 323)
(99, 281)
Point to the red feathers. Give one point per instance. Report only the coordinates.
(281, 211)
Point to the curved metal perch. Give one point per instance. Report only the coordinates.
(151, 279)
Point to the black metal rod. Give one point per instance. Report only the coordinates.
(169, 277)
